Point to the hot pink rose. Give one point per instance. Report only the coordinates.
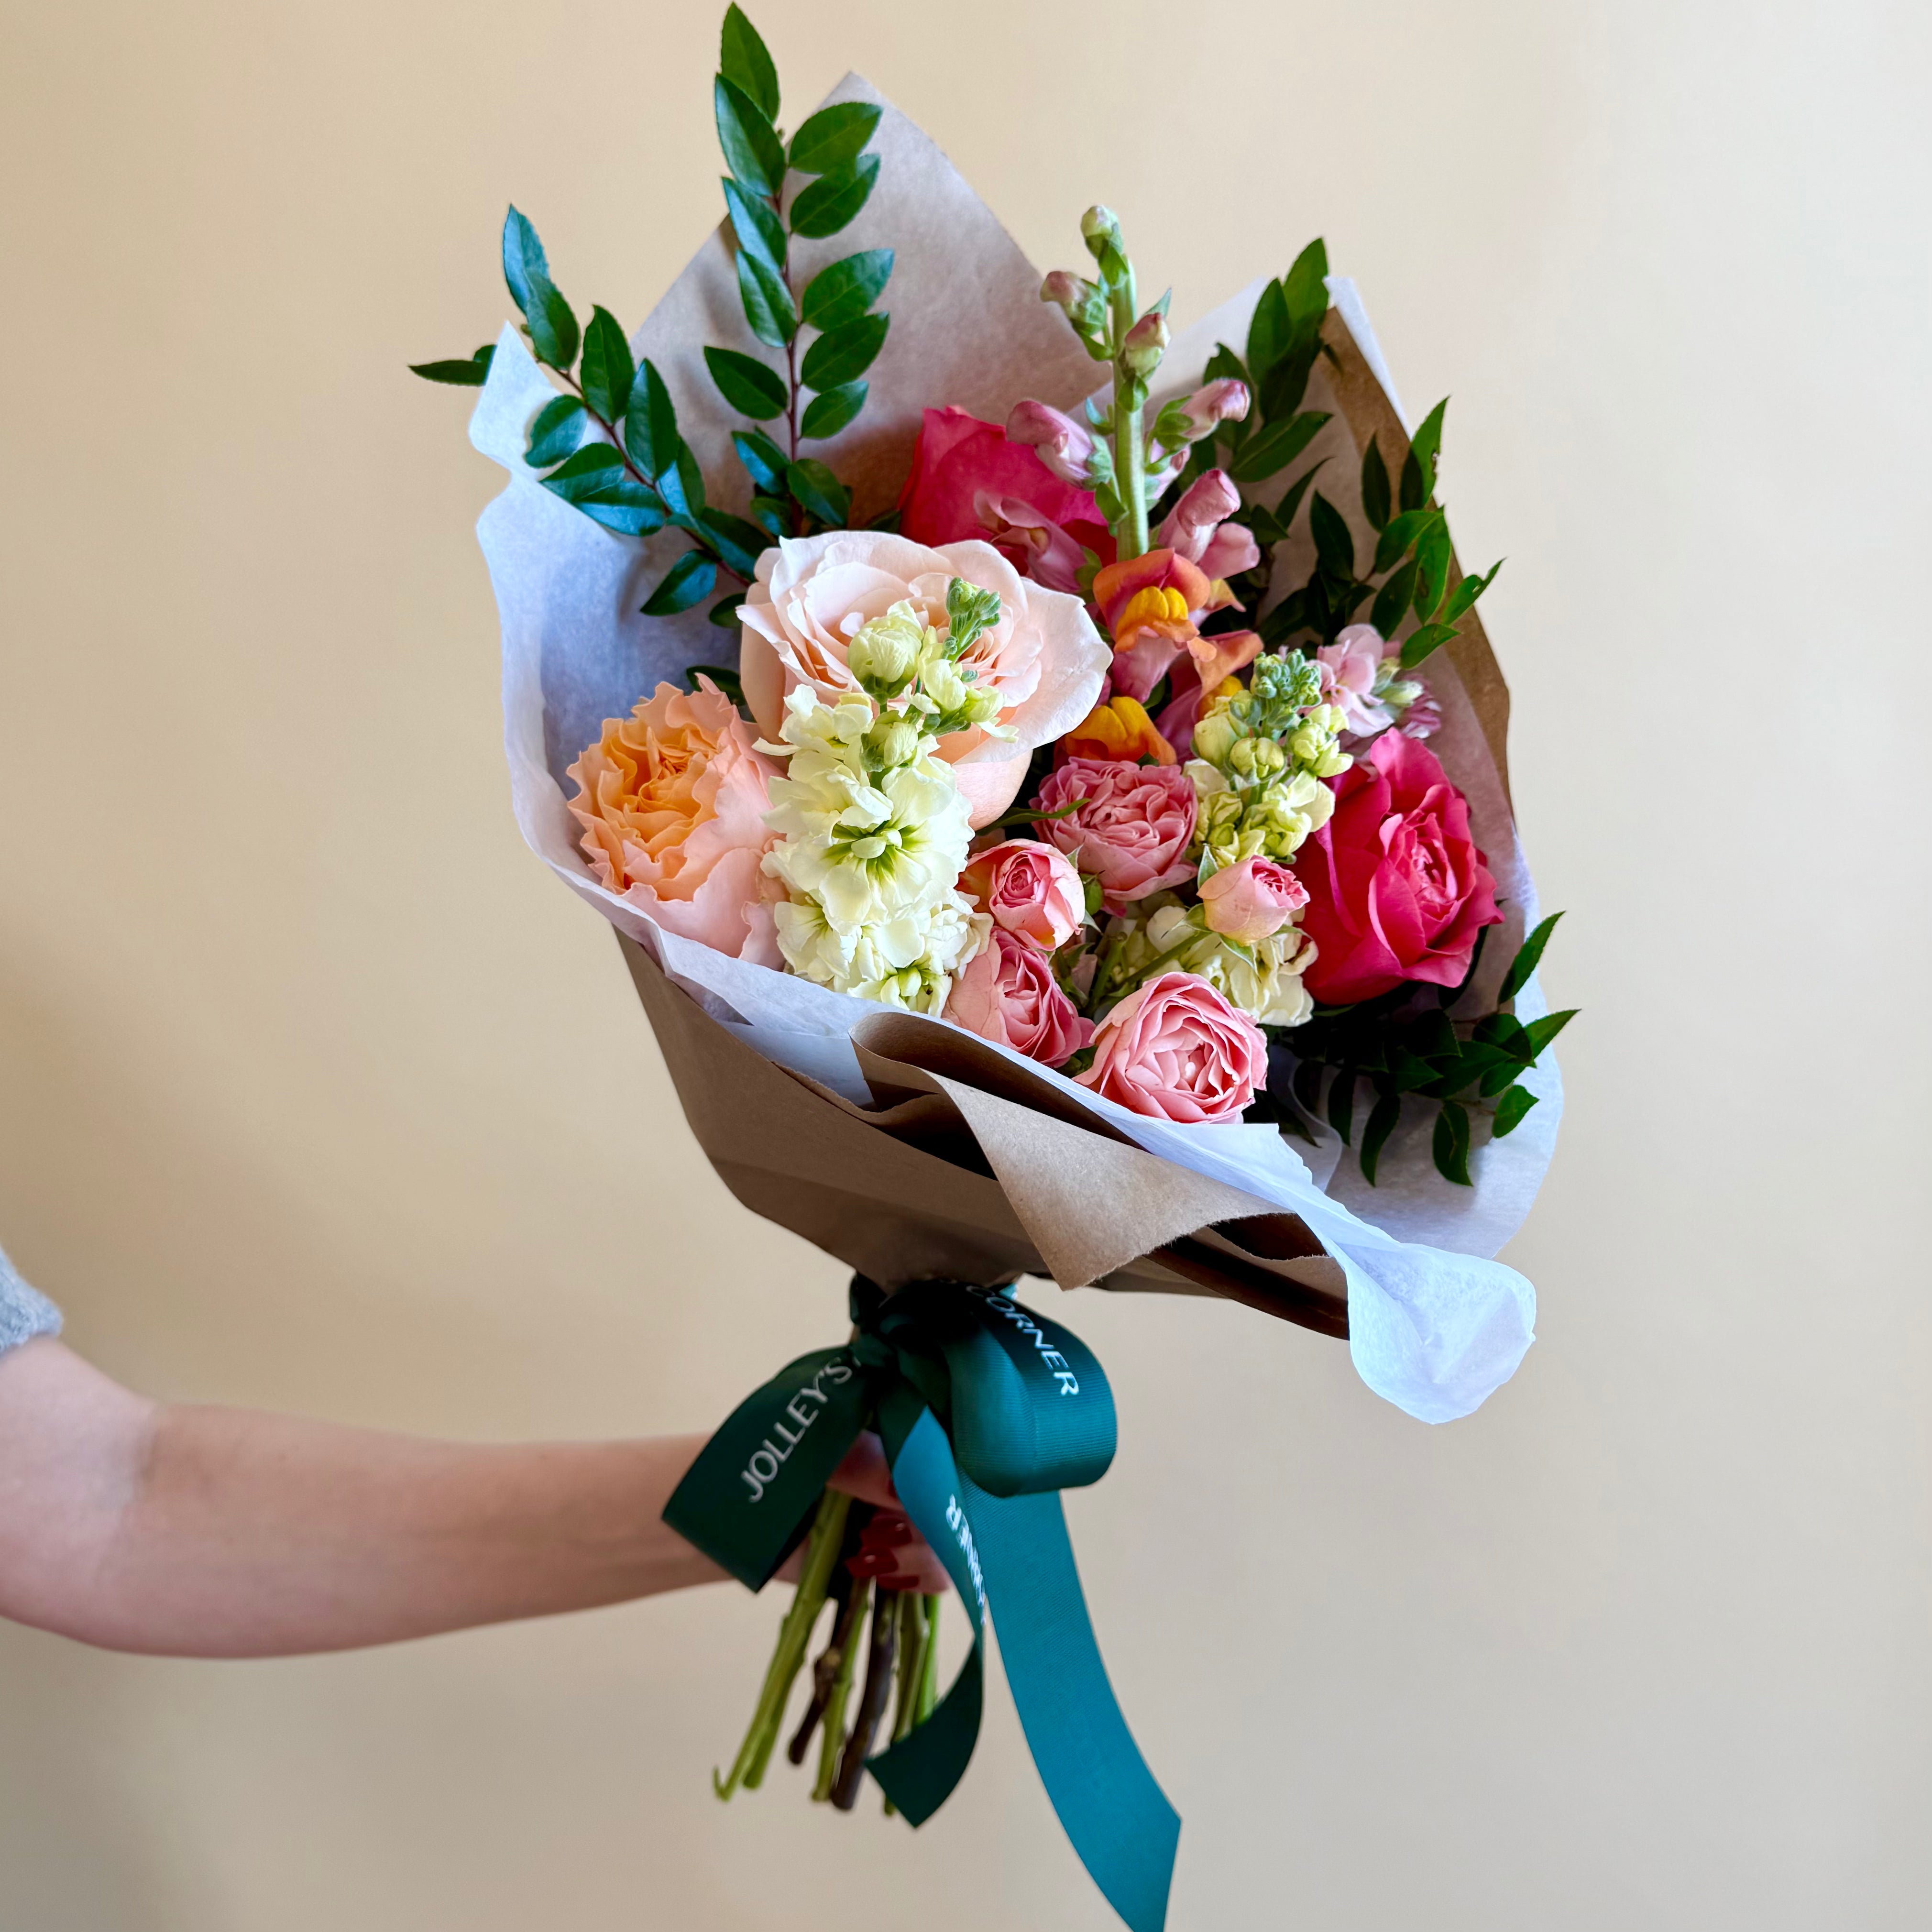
(1132, 831)
(1247, 901)
(1030, 890)
(1006, 993)
(958, 459)
(1397, 888)
(1175, 1049)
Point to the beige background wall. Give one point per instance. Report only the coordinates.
(316, 1091)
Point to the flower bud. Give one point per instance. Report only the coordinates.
(884, 653)
(1225, 400)
(1100, 229)
(1214, 735)
(1257, 758)
(1146, 343)
(893, 741)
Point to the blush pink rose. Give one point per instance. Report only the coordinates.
(1396, 888)
(1132, 831)
(672, 800)
(1176, 1050)
(1029, 889)
(1043, 657)
(1006, 993)
(1247, 902)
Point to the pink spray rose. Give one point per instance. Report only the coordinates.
(1030, 890)
(1175, 1049)
(1132, 831)
(1396, 888)
(1247, 902)
(812, 594)
(1006, 993)
(672, 800)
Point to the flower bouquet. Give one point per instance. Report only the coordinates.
(1047, 773)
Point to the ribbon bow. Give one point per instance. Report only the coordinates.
(987, 1410)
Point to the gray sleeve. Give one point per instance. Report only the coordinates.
(23, 1314)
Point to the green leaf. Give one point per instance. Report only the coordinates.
(745, 62)
(724, 614)
(555, 432)
(843, 292)
(815, 488)
(1451, 1145)
(1541, 1032)
(841, 355)
(739, 544)
(650, 422)
(1291, 501)
(827, 414)
(1463, 597)
(469, 373)
(1342, 1101)
(831, 201)
(1334, 548)
(684, 478)
(1382, 1117)
(1304, 288)
(833, 136)
(1425, 446)
(752, 387)
(1392, 599)
(1224, 362)
(608, 371)
(1376, 504)
(524, 261)
(1507, 1031)
(768, 308)
(1433, 558)
(763, 459)
(1434, 1037)
(772, 514)
(1516, 1102)
(591, 467)
(553, 327)
(1498, 1077)
(752, 150)
(759, 231)
(1419, 646)
(1400, 533)
(624, 505)
(1276, 447)
(1412, 1072)
(687, 580)
(1525, 962)
(1269, 329)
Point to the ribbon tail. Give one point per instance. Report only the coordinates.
(1118, 1817)
(918, 1774)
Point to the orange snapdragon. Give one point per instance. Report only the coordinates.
(1120, 729)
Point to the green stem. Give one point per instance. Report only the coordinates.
(1130, 443)
(832, 1741)
(928, 1682)
(821, 1552)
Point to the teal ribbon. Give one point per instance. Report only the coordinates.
(987, 1410)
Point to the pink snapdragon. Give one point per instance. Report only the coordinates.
(1197, 527)
(1065, 446)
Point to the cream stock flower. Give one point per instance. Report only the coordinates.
(1042, 661)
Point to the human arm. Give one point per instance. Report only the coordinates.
(189, 1531)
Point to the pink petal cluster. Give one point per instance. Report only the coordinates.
(1175, 1049)
(1132, 830)
(1198, 529)
(1007, 994)
(1029, 889)
(1347, 668)
(1065, 444)
(1248, 900)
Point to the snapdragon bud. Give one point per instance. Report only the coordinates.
(1084, 305)
(1100, 230)
(1146, 343)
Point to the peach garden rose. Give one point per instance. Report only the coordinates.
(1043, 657)
(672, 800)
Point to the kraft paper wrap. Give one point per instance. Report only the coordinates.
(902, 1145)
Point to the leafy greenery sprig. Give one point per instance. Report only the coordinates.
(611, 447)
(1404, 1045)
